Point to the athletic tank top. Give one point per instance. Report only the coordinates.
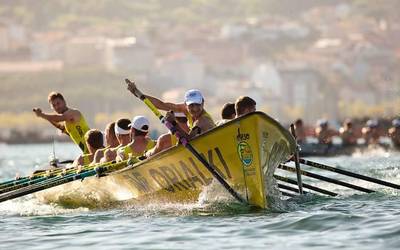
(204, 114)
(128, 152)
(76, 131)
(86, 159)
(174, 140)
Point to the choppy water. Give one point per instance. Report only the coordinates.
(351, 221)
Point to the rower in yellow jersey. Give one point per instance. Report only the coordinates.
(140, 142)
(94, 139)
(123, 134)
(168, 140)
(199, 121)
(69, 121)
(111, 141)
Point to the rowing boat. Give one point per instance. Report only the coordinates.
(327, 150)
(245, 152)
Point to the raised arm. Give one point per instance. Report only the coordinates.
(166, 106)
(54, 119)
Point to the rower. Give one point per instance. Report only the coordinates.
(140, 141)
(123, 133)
(244, 105)
(323, 133)
(94, 139)
(168, 140)
(370, 132)
(111, 142)
(394, 133)
(300, 131)
(349, 138)
(199, 121)
(227, 113)
(67, 120)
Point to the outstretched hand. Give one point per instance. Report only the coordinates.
(37, 111)
(133, 89)
(169, 116)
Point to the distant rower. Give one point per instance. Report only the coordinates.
(69, 121)
(394, 133)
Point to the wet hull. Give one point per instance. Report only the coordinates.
(245, 152)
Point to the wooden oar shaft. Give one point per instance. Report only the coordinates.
(215, 173)
(348, 173)
(327, 179)
(296, 161)
(316, 189)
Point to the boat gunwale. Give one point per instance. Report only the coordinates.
(162, 153)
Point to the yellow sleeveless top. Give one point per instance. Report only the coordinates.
(76, 131)
(86, 159)
(204, 114)
(127, 151)
(174, 140)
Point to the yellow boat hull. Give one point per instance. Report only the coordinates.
(245, 152)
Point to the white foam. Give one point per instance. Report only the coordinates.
(30, 206)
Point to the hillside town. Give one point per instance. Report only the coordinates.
(330, 62)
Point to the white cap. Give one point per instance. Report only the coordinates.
(193, 96)
(396, 122)
(372, 123)
(322, 122)
(140, 123)
(179, 114)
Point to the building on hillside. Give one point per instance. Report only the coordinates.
(86, 51)
(301, 90)
(128, 54)
(181, 69)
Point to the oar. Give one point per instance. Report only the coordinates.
(327, 179)
(296, 160)
(59, 180)
(26, 181)
(20, 180)
(43, 186)
(294, 182)
(289, 188)
(348, 173)
(287, 194)
(187, 145)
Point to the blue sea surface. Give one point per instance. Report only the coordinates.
(352, 220)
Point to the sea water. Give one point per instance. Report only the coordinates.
(353, 220)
